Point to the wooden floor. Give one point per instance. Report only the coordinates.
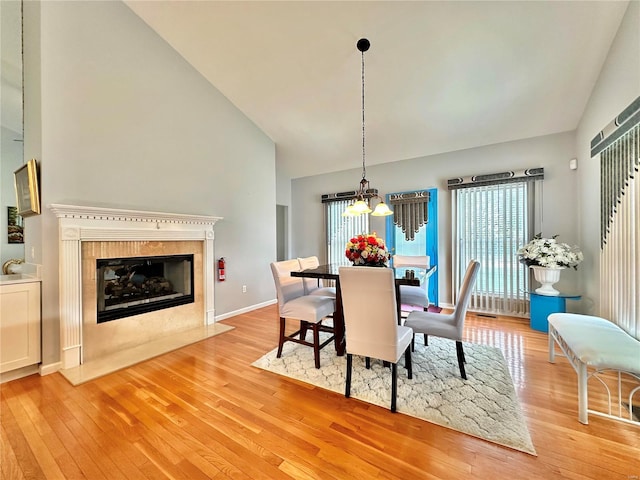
(202, 412)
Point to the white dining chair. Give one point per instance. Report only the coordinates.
(417, 296)
(314, 286)
(371, 321)
(450, 325)
(310, 310)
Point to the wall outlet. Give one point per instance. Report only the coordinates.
(244, 289)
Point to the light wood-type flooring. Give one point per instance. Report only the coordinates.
(202, 412)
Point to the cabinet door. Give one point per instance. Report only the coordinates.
(19, 325)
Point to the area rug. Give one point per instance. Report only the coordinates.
(484, 406)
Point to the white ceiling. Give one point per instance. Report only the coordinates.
(440, 75)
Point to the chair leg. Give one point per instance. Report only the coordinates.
(281, 339)
(303, 330)
(426, 340)
(413, 343)
(347, 386)
(367, 363)
(394, 385)
(316, 344)
(407, 363)
(460, 352)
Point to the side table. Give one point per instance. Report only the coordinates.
(544, 305)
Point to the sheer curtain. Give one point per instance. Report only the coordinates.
(491, 220)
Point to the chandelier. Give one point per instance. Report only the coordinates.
(364, 195)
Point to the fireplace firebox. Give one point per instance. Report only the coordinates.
(136, 285)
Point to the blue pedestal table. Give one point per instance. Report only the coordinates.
(544, 305)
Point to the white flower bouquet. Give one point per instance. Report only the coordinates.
(547, 252)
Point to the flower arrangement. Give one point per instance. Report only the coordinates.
(547, 252)
(367, 249)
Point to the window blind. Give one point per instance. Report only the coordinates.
(618, 148)
(491, 222)
(340, 229)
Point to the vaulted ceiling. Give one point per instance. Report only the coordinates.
(440, 75)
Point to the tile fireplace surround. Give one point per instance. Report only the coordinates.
(129, 232)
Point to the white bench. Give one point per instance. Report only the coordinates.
(593, 342)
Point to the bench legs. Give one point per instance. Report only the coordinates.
(579, 367)
(583, 402)
(618, 408)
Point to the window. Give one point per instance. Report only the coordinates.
(339, 230)
(413, 229)
(417, 246)
(491, 221)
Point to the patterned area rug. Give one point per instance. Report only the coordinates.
(484, 406)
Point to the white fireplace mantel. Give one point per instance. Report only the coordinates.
(80, 223)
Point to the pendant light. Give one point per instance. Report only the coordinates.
(364, 194)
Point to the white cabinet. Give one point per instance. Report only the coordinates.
(19, 325)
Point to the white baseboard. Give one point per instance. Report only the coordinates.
(18, 373)
(50, 368)
(245, 310)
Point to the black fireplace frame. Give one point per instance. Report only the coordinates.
(146, 305)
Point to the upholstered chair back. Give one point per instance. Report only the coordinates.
(420, 261)
(464, 295)
(370, 313)
(310, 284)
(287, 287)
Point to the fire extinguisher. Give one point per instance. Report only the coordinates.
(221, 275)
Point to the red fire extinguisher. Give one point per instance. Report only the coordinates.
(221, 275)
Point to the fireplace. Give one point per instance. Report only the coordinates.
(135, 285)
(88, 234)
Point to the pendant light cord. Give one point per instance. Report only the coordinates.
(361, 202)
(364, 169)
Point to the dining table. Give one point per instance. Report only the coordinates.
(403, 276)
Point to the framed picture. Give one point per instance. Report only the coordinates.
(27, 196)
(14, 226)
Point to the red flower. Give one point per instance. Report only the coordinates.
(367, 249)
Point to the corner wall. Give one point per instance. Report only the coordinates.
(127, 123)
(617, 86)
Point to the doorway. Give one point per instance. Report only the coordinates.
(282, 232)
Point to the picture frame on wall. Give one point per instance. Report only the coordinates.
(27, 194)
(15, 232)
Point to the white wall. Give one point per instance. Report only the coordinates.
(617, 86)
(559, 207)
(125, 122)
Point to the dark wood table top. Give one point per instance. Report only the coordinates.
(330, 271)
(404, 276)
